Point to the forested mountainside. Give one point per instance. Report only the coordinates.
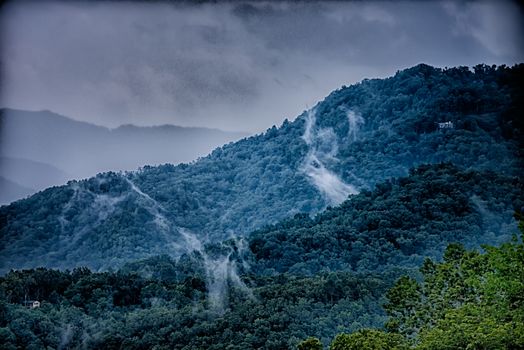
(247, 266)
(358, 136)
(216, 297)
(399, 223)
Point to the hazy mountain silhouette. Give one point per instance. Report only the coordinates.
(41, 149)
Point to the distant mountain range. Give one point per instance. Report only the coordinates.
(10, 191)
(25, 177)
(43, 149)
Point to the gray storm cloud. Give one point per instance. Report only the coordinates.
(235, 66)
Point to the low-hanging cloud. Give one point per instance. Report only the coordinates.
(323, 146)
(236, 65)
(220, 269)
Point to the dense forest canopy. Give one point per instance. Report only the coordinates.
(469, 299)
(399, 223)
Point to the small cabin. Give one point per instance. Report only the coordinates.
(32, 304)
(446, 125)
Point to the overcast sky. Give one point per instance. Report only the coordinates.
(235, 66)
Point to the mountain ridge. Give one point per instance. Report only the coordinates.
(81, 149)
(45, 113)
(361, 135)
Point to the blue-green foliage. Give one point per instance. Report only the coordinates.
(397, 224)
(97, 220)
